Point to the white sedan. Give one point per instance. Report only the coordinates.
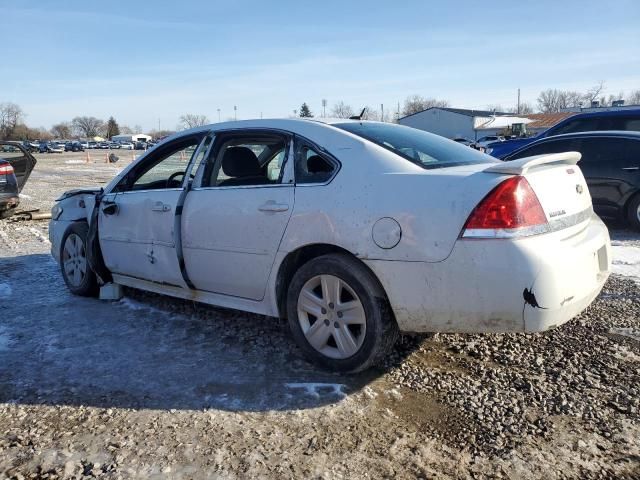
(352, 230)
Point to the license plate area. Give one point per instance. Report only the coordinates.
(603, 261)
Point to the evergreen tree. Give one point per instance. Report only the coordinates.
(112, 128)
(304, 111)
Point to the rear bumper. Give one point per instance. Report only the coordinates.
(525, 285)
(8, 200)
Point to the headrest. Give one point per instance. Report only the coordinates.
(317, 164)
(240, 162)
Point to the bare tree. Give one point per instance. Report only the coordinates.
(341, 110)
(525, 108)
(88, 126)
(495, 107)
(10, 116)
(416, 103)
(594, 92)
(126, 130)
(554, 100)
(190, 120)
(633, 98)
(61, 130)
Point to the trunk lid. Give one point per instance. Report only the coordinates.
(557, 182)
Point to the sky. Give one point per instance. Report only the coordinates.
(148, 63)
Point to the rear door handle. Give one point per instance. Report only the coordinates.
(630, 169)
(109, 207)
(272, 206)
(160, 207)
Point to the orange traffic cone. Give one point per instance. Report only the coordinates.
(106, 158)
(88, 159)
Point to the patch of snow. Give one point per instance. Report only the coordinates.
(626, 260)
(623, 353)
(38, 234)
(73, 162)
(5, 290)
(630, 332)
(316, 389)
(26, 197)
(134, 305)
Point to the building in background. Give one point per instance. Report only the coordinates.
(134, 137)
(475, 124)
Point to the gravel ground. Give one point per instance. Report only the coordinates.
(152, 387)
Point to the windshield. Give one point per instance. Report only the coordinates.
(424, 149)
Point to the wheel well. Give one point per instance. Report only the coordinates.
(627, 207)
(295, 259)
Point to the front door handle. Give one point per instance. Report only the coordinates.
(272, 206)
(631, 169)
(160, 207)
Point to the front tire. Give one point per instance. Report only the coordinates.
(76, 272)
(633, 213)
(339, 315)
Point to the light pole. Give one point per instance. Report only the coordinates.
(324, 107)
(218, 115)
(235, 112)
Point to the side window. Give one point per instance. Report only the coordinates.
(578, 125)
(611, 151)
(248, 160)
(544, 148)
(312, 167)
(626, 123)
(164, 168)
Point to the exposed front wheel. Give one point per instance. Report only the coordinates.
(339, 315)
(76, 272)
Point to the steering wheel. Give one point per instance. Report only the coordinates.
(175, 175)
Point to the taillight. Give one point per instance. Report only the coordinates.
(6, 169)
(510, 209)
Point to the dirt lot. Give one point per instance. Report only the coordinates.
(151, 387)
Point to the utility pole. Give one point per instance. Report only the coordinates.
(158, 125)
(324, 107)
(518, 101)
(382, 112)
(235, 112)
(218, 115)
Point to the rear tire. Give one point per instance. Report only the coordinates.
(633, 213)
(339, 315)
(76, 272)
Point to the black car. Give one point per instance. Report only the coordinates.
(16, 164)
(610, 163)
(73, 147)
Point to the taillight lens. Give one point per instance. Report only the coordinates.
(6, 169)
(506, 210)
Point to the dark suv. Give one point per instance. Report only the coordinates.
(16, 164)
(627, 120)
(73, 147)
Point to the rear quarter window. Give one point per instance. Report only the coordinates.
(421, 148)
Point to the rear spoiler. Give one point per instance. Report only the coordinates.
(522, 165)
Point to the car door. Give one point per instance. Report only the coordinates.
(21, 161)
(235, 216)
(136, 219)
(611, 166)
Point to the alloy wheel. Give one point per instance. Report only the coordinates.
(74, 260)
(331, 316)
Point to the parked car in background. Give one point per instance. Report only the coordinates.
(626, 120)
(357, 256)
(103, 145)
(16, 164)
(126, 146)
(73, 147)
(141, 145)
(486, 140)
(114, 145)
(50, 147)
(92, 145)
(610, 163)
(465, 141)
